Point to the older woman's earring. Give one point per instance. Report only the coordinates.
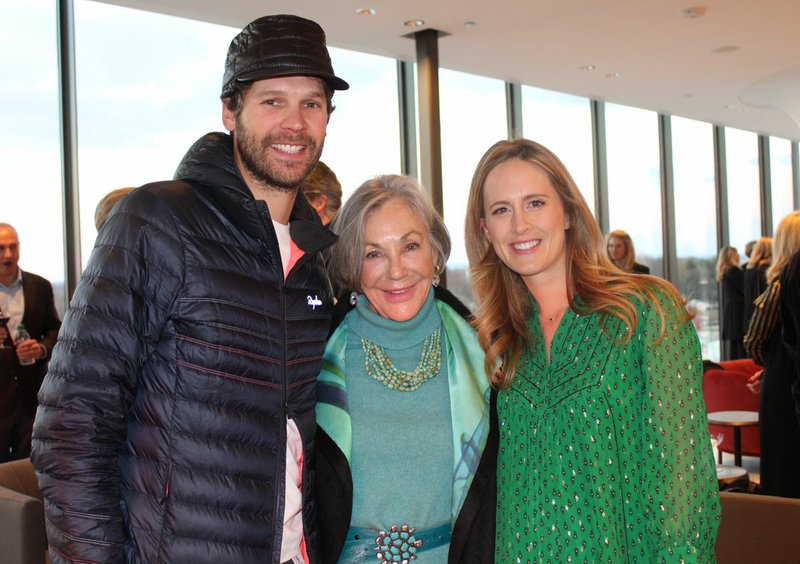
(436, 271)
(353, 298)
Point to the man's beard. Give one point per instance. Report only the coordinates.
(253, 153)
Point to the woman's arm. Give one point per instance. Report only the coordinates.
(681, 491)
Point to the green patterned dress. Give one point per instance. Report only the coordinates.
(604, 450)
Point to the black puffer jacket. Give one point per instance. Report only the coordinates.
(161, 431)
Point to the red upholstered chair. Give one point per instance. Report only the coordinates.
(725, 389)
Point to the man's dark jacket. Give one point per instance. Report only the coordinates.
(161, 432)
(20, 384)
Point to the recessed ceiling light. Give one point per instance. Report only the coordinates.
(613, 75)
(695, 12)
(725, 49)
(587, 67)
(366, 12)
(414, 23)
(470, 23)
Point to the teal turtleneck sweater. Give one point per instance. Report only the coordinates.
(402, 463)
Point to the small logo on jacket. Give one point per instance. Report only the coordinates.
(314, 302)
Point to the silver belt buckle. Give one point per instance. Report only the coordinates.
(398, 546)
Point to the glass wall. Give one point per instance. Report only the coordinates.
(634, 180)
(744, 202)
(30, 138)
(364, 131)
(473, 118)
(563, 124)
(139, 110)
(696, 227)
(780, 165)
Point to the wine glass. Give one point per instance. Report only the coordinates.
(716, 440)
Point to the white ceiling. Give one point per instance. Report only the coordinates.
(737, 65)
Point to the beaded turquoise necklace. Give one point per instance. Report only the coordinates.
(382, 368)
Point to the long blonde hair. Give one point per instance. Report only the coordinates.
(785, 244)
(761, 255)
(504, 300)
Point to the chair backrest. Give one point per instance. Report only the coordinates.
(725, 389)
(757, 528)
(22, 530)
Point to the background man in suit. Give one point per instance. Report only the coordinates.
(28, 299)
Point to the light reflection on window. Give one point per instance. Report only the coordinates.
(30, 159)
(563, 124)
(473, 118)
(634, 180)
(780, 153)
(696, 227)
(744, 202)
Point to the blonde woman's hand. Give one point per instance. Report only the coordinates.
(754, 382)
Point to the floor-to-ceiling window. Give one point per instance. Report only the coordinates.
(30, 159)
(473, 118)
(780, 165)
(634, 180)
(148, 86)
(696, 227)
(744, 201)
(364, 131)
(563, 124)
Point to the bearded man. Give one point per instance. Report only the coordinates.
(176, 422)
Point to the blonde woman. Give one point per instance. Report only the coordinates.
(622, 252)
(604, 451)
(778, 427)
(730, 277)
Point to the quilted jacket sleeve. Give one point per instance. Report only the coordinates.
(117, 315)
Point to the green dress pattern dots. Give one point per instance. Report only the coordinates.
(604, 453)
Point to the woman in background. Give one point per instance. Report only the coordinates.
(755, 277)
(622, 253)
(779, 431)
(403, 443)
(604, 451)
(730, 277)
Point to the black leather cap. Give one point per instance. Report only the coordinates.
(281, 45)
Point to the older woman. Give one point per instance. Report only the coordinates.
(622, 253)
(405, 463)
(604, 451)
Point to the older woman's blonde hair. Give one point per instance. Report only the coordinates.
(504, 300)
(346, 257)
(785, 244)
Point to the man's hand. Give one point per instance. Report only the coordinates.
(29, 349)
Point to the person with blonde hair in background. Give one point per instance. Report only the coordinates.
(324, 192)
(604, 451)
(755, 277)
(623, 254)
(730, 275)
(778, 427)
(106, 204)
